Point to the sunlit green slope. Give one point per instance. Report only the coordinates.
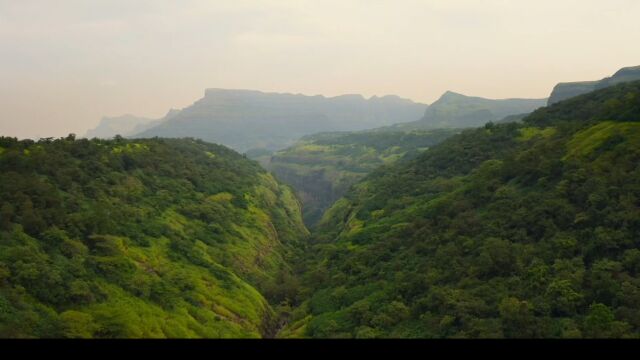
(140, 238)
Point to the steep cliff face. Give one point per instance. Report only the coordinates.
(567, 90)
(322, 167)
(246, 119)
(626, 74)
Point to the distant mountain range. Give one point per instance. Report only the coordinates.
(567, 90)
(125, 125)
(247, 119)
(118, 125)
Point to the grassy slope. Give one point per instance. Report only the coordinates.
(139, 238)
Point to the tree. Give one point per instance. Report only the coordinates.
(6, 215)
(366, 332)
(600, 322)
(5, 273)
(54, 236)
(605, 287)
(563, 298)
(31, 221)
(517, 318)
(631, 261)
(76, 324)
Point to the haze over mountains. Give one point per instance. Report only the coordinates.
(246, 119)
(250, 120)
(125, 125)
(119, 125)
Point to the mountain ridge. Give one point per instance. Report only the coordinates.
(566, 90)
(456, 110)
(246, 119)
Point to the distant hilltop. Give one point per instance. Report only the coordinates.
(567, 90)
(454, 110)
(124, 125)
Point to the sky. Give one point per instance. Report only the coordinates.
(66, 63)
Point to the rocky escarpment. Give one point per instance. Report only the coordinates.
(567, 90)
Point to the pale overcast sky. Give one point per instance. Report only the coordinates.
(66, 63)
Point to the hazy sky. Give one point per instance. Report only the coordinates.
(66, 63)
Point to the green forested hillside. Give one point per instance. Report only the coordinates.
(322, 167)
(514, 230)
(526, 229)
(140, 238)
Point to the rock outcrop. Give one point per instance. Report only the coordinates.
(567, 90)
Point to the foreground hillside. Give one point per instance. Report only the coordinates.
(140, 238)
(514, 230)
(246, 119)
(323, 167)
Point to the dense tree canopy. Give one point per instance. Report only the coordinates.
(142, 238)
